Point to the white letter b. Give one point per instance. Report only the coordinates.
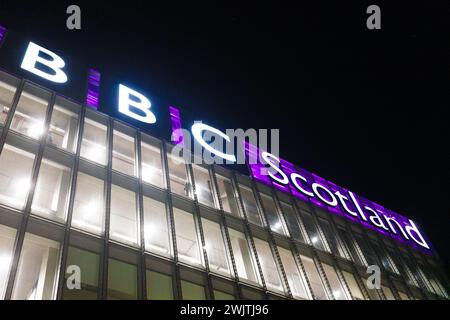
(143, 105)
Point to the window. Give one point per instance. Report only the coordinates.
(250, 207)
(7, 238)
(52, 191)
(123, 156)
(351, 245)
(215, 247)
(314, 278)
(8, 86)
(187, 242)
(276, 223)
(386, 260)
(152, 171)
(203, 186)
(156, 232)
(333, 238)
(353, 286)
(29, 118)
(16, 167)
(312, 230)
(337, 288)
(89, 208)
(292, 221)
(245, 263)
(179, 182)
(220, 295)
(268, 265)
(403, 296)
(88, 262)
(293, 274)
(63, 125)
(192, 291)
(123, 225)
(388, 293)
(94, 143)
(227, 197)
(36, 276)
(368, 253)
(159, 286)
(122, 280)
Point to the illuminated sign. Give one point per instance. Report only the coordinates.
(309, 187)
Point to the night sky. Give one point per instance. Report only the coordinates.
(366, 109)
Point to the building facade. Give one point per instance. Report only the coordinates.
(83, 193)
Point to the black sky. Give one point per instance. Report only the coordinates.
(365, 109)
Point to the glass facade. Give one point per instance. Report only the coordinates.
(116, 197)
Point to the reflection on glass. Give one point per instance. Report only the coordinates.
(52, 190)
(312, 231)
(152, 171)
(94, 145)
(293, 274)
(227, 196)
(15, 176)
(89, 263)
(122, 280)
(187, 242)
(29, 118)
(123, 155)
(292, 221)
(332, 238)
(8, 86)
(203, 186)
(353, 285)
(245, 263)
(156, 232)
(388, 293)
(179, 182)
(314, 278)
(63, 125)
(89, 209)
(248, 198)
(123, 225)
(215, 247)
(7, 237)
(339, 292)
(36, 276)
(268, 265)
(275, 221)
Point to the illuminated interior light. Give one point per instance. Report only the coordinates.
(314, 239)
(36, 130)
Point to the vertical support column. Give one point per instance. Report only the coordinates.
(12, 110)
(27, 210)
(142, 280)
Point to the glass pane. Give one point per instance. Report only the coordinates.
(123, 225)
(275, 222)
(250, 207)
(89, 208)
(215, 247)
(88, 262)
(403, 295)
(7, 238)
(192, 291)
(351, 246)
(353, 285)
(63, 125)
(245, 263)
(52, 191)
(179, 182)
(388, 293)
(337, 288)
(8, 86)
(367, 252)
(159, 286)
(123, 157)
(203, 186)
(152, 171)
(187, 242)
(156, 232)
(29, 118)
(292, 222)
(268, 265)
(312, 231)
(36, 276)
(15, 176)
(227, 196)
(94, 143)
(122, 280)
(219, 295)
(293, 274)
(314, 278)
(332, 238)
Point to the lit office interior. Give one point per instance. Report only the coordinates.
(80, 188)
